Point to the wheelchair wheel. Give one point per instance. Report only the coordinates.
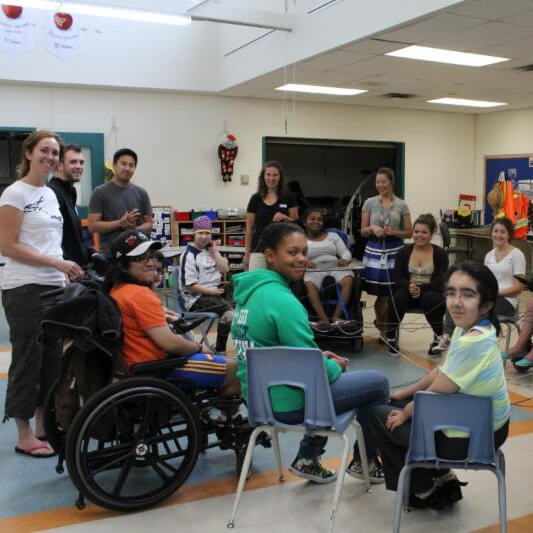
(133, 444)
(54, 434)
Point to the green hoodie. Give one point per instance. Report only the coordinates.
(268, 314)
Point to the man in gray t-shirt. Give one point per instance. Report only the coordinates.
(119, 205)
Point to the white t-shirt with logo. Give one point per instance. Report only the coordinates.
(41, 230)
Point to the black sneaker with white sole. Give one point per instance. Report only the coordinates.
(312, 470)
(393, 349)
(375, 471)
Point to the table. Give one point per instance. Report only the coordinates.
(332, 266)
(479, 242)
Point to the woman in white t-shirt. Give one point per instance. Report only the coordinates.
(31, 228)
(505, 260)
(323, 248)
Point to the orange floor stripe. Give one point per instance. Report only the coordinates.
(522, 524)
(3, 375)
(67, 516)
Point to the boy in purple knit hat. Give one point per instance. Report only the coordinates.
(201, 269)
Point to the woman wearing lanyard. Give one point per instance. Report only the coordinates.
(386, 222)
(271, 203)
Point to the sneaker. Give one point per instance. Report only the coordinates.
(393, 349)
(312, 470)
(439, 345)
(375, 471)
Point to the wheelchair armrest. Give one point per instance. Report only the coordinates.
(182, 325)
(157, 366)
(189, 315)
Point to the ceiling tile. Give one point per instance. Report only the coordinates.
(523, 19)
(445, 23)
(372, 46)
(479, 37)
(335, 59)
(492, 9)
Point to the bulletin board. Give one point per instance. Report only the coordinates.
(518, 168)
(162, 228)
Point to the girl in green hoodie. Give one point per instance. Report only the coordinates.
(268, 314)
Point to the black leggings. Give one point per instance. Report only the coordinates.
(393, 446)
(431, 302)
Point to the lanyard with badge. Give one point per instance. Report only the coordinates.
(385, 220)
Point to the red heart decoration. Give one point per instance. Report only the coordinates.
(63, 21)
(11, 12)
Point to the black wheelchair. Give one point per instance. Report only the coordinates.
(129, 441)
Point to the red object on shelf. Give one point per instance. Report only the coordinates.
(182, 216)
(235, 241)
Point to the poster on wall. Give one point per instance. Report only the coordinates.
(62, 35)
(516, 168)
(16, 31)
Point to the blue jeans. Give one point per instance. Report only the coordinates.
(353, 389)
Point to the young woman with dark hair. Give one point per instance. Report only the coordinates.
(419, 273)
(268, 314)
(472, 366)
(147, 335)
(271, 203)
(386, 221)
(324, 247)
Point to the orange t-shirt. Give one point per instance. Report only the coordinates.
(141, 310)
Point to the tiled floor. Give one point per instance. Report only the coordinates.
(34, 498)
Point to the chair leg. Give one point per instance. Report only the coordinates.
(277, 453)
(362, 450)
(244, 471)
(403, 484)
(340, 481)
(502, 500)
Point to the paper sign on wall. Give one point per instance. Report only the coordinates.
(63, 35)
(16, 32)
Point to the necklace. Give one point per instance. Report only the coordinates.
(385, 216)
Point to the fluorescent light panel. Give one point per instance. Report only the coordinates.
(317, 89)
(99, 10)
(465, 102)
(439, 55)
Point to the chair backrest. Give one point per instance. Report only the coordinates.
(296, 367)
(341, 234)
(434, 412)
(445, 234)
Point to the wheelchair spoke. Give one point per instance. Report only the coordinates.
(165, 464)
(101, 464)
(125, 470)
(150, 410)
(162, 474)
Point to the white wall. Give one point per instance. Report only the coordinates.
(501, 133)
(176, 136)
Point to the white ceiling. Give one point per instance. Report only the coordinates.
(495, 27)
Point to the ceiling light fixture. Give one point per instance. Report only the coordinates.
(439, 55)
(317, 89)
(99, 10)
(465, 102)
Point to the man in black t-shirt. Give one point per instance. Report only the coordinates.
(69, 172)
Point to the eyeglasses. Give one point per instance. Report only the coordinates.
(144, 258)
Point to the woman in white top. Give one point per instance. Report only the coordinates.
(31, 228)
(325, 247)
(505, 260)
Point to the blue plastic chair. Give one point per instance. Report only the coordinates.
(179, 307)
(435, 412)
(303, 368)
